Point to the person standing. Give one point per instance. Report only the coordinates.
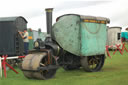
(24, 36)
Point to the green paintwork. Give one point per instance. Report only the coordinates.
(78, 37)
(66, 32)
(42, 35)
(35, 35)
(93, 38)
(31, 41)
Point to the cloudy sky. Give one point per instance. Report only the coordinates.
(34, 10)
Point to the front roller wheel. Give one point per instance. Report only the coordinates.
(92, 63)
(33, 62)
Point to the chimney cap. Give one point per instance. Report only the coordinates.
(48, 9)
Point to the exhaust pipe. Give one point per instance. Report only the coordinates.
(49, 20)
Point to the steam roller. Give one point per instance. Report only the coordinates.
(39, 66)
(74, 41)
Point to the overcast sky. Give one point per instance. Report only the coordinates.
(34, 10)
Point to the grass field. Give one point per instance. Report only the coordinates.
(114, 72)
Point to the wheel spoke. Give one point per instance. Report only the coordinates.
(92, 63)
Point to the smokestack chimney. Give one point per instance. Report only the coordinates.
(49, 20)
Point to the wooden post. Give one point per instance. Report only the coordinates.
(0, 68)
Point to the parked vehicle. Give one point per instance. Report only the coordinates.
(74, 41)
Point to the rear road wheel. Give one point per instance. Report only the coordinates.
(92, 63)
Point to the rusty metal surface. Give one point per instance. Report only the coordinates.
(32, 61)
(31, 64)
(37, 75)
(26, 61)
(37, 60)
(28, 74)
